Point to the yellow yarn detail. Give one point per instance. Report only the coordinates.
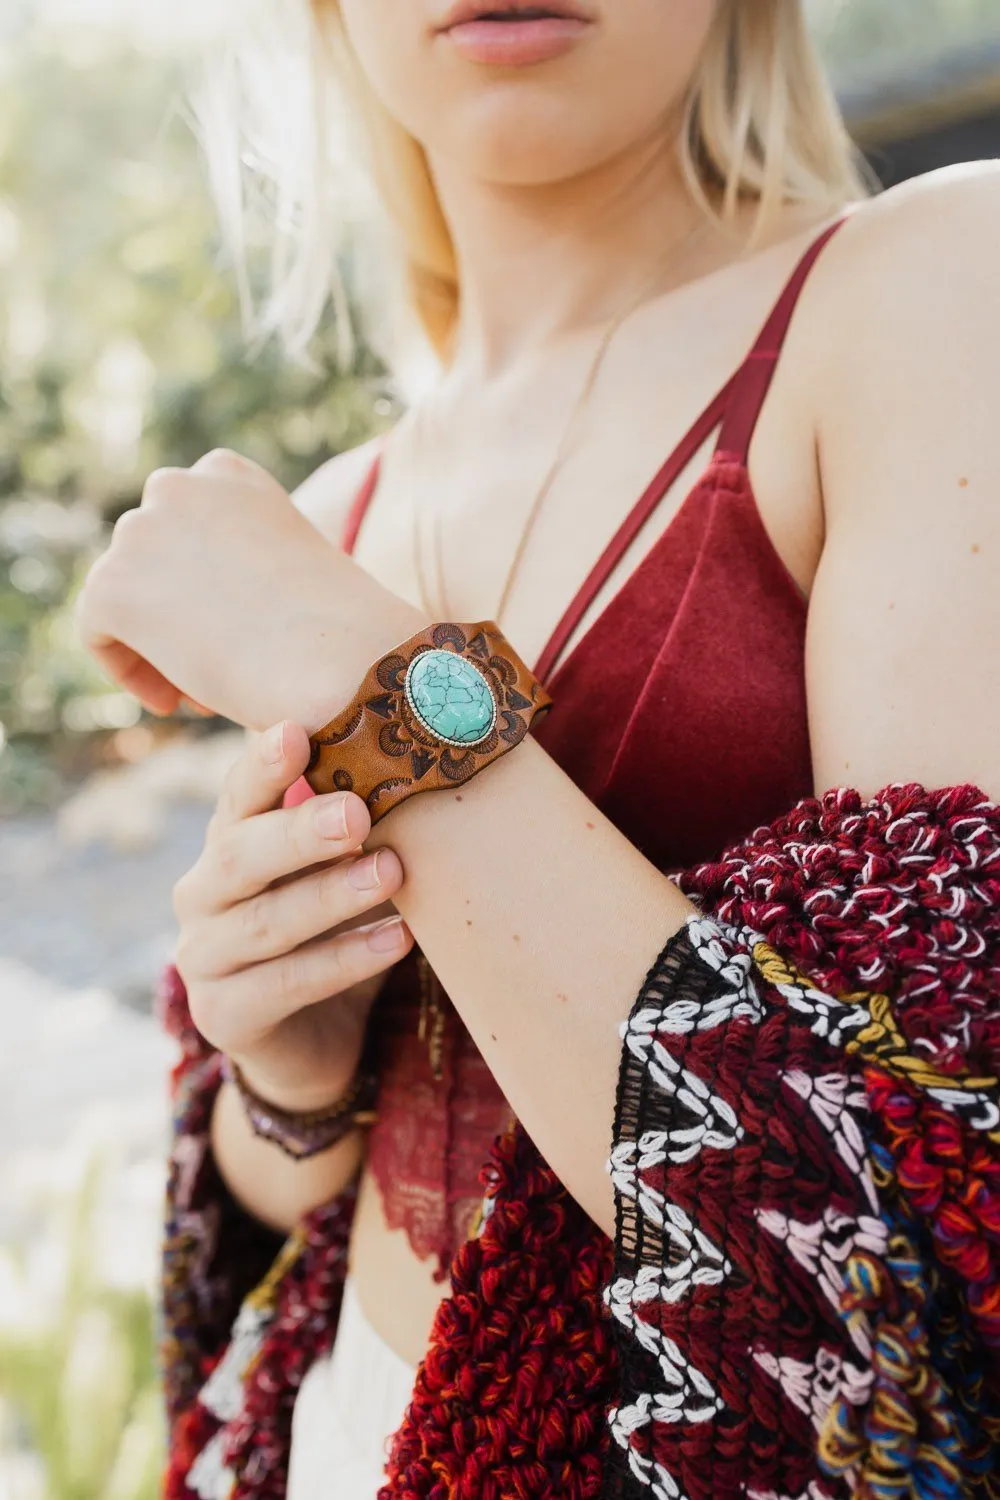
(882, 1041)
(776, 970)
(265, 1293)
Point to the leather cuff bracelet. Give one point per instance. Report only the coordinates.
(306, 1133)
(428, 715)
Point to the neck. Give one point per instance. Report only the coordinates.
(539, 263)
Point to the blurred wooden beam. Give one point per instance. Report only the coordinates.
(960, 84)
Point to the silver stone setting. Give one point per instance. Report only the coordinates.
(468, 666)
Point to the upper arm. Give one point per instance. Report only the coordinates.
(326, 496)
(903, 653)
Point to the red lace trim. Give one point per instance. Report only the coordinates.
(433, 1133)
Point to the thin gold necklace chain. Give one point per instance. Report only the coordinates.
(558, 461)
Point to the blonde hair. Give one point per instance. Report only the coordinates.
(280, 125)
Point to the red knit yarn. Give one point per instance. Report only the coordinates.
(302, 1331)
(899, 895)
(510, 1401)
(952, 1178)
(189, 1435)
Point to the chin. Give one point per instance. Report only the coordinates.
(610, 88)
(527, 137)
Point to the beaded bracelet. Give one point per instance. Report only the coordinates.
(308, 1132)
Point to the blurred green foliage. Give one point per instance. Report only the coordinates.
(121, 346)
(121, 349)
(78, 1389)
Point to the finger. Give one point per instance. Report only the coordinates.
(263, 772)
(161, 484)
(278, 921)
(242, 859)
(227, 463)
(269, 993)
(136, 676)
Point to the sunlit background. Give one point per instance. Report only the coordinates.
(121, 349)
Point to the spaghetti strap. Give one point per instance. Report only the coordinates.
(736, 407)
(697, 434)
(753, 380)
(359, 505)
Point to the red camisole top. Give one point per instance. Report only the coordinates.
(680, 712)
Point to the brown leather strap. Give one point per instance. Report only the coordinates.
(428, 715)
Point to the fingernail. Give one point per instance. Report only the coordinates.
(387, 935)
(331, 818)
(274, 744)
(363, 874)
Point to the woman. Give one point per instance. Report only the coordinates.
(635, 236)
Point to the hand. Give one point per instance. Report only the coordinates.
(277, 974)
(217, 589)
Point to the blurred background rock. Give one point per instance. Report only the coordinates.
(121, 349)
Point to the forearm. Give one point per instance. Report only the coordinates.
(270, 1185)
(541, 921)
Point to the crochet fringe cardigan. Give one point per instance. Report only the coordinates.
(802, 1295)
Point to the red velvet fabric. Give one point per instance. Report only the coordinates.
(681, 713)
(665, 711)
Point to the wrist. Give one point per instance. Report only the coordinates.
(431, 711)
(301, 1134)
(263, 1182)
(327, 670)
(299, 1095)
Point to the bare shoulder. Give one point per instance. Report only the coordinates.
(930, 242)
(898, 334)
(944, 191)
(326, 496)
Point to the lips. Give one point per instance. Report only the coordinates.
(515, 34)
(511, 12)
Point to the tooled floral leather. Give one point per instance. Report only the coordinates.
(380, 748)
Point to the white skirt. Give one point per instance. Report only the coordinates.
(349, 1404)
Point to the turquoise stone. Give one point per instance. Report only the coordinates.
(450, 697)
